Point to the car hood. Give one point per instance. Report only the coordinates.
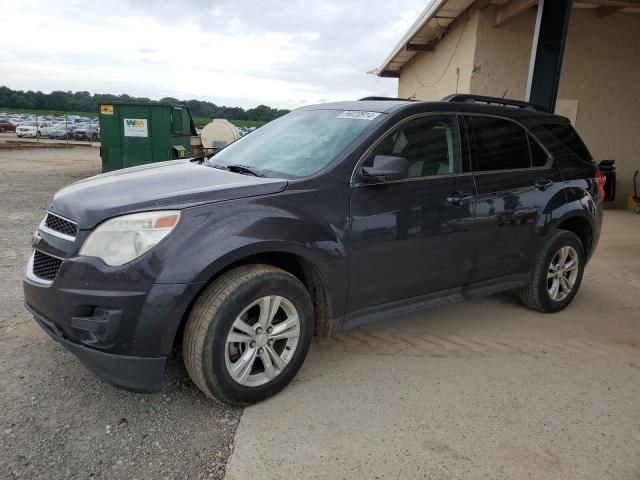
(157, 186)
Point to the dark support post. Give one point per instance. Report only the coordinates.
(547, 52)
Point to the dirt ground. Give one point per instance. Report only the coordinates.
(56, 419)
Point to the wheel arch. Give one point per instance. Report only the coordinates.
(573, 209)
(298, 265)
(579, 225)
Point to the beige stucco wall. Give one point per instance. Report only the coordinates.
(433, 75)
(601, 70)
(502, 55)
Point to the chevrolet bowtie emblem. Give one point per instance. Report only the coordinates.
(35, 240)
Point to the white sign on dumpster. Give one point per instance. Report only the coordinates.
(135, 127)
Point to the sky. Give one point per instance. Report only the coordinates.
(244, 53)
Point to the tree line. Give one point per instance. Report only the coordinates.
(87, 102)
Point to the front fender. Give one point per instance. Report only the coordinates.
(304, 222)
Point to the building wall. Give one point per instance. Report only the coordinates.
(433, 75)
(600, 73)
(502, 55)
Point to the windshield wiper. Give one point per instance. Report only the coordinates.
(241, 169)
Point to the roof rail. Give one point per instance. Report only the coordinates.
(386, 99)
(505, 102)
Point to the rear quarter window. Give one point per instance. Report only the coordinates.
(566, 134)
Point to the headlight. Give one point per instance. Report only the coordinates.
(121, 239)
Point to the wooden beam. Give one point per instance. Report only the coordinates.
(419, 47)
(469, 11)
(460, 19)
(602, 12)
(512, 9)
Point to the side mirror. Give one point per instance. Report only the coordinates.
(387, 167)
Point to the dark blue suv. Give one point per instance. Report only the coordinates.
(329, 217)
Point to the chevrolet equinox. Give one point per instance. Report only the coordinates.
(329, 217)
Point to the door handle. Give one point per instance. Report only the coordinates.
(457, 198)
(543, 183)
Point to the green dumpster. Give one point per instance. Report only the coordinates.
(139, 133)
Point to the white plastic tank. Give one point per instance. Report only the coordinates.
(218, 134)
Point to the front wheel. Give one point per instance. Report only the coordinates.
(248, 334)
(37, 134)
(557, 274)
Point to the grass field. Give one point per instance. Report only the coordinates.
(199, 121)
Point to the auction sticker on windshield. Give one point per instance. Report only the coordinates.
(359, 115)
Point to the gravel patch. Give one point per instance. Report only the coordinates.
(56, 419)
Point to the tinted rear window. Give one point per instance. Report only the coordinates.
(566, 135)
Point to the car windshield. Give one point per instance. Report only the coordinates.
(298, 144)
(29, 124)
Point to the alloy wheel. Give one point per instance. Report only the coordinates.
(262, 341)
(562, 274)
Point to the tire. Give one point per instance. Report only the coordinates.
(546, 278)
(239, 294)
(37, 134)
(1, 130)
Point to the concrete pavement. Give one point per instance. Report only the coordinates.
(486, 389)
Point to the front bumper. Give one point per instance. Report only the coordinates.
(120, 326)
(138, 374)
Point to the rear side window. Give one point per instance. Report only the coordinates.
(566, 134)
(499, 144)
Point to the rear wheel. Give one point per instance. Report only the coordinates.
(248, 334)
(557, 274)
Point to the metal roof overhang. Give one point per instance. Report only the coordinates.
(441, 16)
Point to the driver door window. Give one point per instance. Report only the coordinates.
(431, 145)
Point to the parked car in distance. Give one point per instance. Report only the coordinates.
(90, 133)
(61, 132)
(329, 217)
(7, 126)
(34, 129)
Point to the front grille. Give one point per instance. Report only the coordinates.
(61, 225)
(45, 266)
